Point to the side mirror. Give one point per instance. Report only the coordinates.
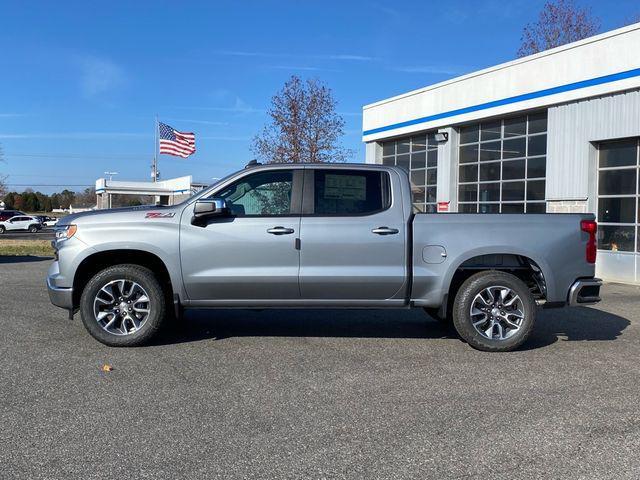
(213, 207)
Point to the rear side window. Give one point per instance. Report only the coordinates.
(350, 192)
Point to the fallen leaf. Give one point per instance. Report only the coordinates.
(106, 368)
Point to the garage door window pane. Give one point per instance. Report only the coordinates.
(538, 207)
(513, 170)
(468, 193)
(469, 134)
(490, 171)
(537, 123)
(431, 194)
(617, 182)
(489, 151)
(537, 145)
(512, 191)
(468, 173)
(616, 238)
(418, 177)
(489, 192)
(513, 208)
(617, 210)
(469, 153)
(535, 190)
(537, 167)
(468, 208)
(490, 131)
(403, 161)
(432, 158)
(403, 146)
(419, 143)
(515, 127)
(418, 160)
(514, 148)
(489, 208)
(619, 154)
(388, 148)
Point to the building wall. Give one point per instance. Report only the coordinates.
(598, 65)
(574, 131)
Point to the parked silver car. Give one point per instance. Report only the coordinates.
(315, 236)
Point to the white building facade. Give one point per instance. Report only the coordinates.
(555, 132)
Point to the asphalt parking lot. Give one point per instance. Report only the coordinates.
(316, 394)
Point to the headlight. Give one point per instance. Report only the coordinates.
(65, 232)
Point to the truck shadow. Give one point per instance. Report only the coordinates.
(575, 324)
(22, 259)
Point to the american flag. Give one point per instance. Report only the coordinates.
(173, 142)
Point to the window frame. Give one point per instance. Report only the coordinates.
(308, 200)
(635, 225)
(477, 204)
(296, 192)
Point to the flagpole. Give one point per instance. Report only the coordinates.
(155, 152)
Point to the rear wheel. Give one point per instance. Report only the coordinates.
(123, 306)
(494, 311)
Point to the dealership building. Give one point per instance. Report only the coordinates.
(554, 132)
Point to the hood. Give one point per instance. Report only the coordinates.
(114, 212)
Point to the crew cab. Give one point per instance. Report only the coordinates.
(315, 236)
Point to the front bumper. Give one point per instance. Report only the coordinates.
(585, 291)
(59, 296)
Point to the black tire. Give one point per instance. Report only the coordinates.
(462, 319)
(33, 229)
(2, 229)
(157, 305)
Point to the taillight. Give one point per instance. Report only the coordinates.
(590, 227)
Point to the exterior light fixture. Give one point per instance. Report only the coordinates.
(441, 137)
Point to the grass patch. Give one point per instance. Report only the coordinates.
(41, 248)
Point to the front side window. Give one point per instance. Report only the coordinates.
(350, 192)
(260, 194)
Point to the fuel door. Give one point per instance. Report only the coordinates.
(434, 254)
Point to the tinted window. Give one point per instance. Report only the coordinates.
(350, 192)
(263, 193)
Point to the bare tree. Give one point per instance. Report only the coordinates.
(303, 127)
(559, 22)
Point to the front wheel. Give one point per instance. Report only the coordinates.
(494, 311)
(2, 229)
(33, 229)
(123, 306)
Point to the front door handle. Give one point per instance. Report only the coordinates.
(280, 231)
(385, 231)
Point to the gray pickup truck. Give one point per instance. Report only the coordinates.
(316, 236)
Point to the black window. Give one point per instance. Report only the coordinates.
(350, 192)
(260, 194)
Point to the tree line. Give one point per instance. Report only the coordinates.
(30, 201)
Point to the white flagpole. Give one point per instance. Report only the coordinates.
(155, 152)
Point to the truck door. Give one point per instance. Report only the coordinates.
(250, 255)
(353, 235)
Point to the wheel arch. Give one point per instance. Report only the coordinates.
(98, 261)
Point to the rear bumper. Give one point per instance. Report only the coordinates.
(60, 297)
(584, 291)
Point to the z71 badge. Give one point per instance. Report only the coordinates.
(159, 215)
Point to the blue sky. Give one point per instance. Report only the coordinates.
(81, 82)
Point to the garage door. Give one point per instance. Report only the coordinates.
(618, 191)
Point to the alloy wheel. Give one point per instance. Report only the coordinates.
(121, 307)
(497, 313)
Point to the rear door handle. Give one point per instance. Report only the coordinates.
(280, 231)
(385, 231)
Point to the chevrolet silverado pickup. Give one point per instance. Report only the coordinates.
(316, 236)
